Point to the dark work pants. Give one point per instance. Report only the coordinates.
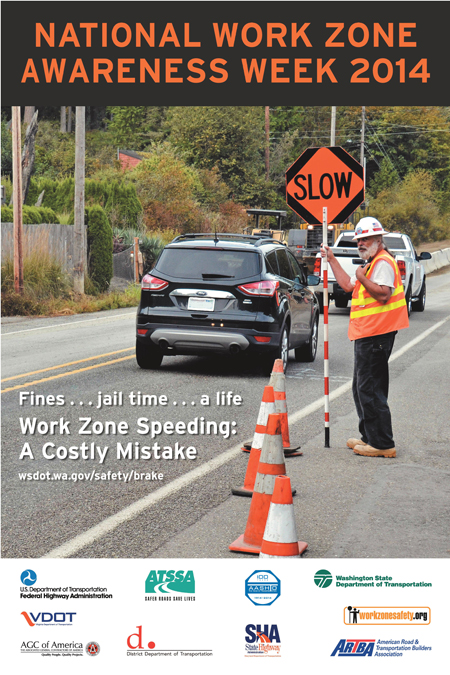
(371, 387)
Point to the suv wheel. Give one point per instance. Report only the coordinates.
(282, 352)
(148, 356)
(308, 351)
(419, 304)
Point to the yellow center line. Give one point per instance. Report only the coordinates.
(71, 372)
(64, 365)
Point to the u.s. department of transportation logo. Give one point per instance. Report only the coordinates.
(323, 578)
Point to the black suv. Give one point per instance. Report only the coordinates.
(227, 294)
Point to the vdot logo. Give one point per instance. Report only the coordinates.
(323, 578)
(28, 577)
(49, 618)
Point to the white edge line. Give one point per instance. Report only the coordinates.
(70, 323)
(109, 524)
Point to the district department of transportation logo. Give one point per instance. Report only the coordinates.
(262, 587)
(354, 648)
(262, 640)
(92, 648)
(323, 578)
(170, 585)
(28, 577)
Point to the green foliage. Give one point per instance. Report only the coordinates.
(100, 247)
(128, 125)
(118, 199)
(412, 207)
(6, 149)
(31, 215)
(229, 138)
(8, 188)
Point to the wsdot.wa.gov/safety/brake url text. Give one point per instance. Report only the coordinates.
(126, 477)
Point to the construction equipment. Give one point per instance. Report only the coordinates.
(279, 234)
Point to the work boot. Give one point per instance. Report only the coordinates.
(354, 441)
(369, 451)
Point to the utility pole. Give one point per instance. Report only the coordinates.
(267, 132)
(363, 124)
(17, 199)
(79, 244)
(333, 126)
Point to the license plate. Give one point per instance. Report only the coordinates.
(201, 304)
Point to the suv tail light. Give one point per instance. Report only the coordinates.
(317, 267)
(402, 268)
(260, 288)
(150, 283)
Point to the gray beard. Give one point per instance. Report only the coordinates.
(369, 252)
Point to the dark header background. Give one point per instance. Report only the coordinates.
(431, 34)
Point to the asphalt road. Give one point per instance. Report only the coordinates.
(345, 506)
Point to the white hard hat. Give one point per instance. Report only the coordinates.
(368, 227)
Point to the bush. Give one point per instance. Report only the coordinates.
(118, 199)
(100, 247)
(31, 215)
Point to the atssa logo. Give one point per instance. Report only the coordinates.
(28, 577)
(49, 618)
(262, 640)
(323, 578)
(170, 582)
(354, 648)
(262, 587)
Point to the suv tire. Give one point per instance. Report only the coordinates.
(148, 356)
(308, 351)
(419, 304)
(281, 352)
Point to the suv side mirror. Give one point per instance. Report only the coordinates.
(313, 280)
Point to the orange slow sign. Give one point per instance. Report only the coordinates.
(325, 177)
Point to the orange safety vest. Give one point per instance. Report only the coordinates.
(368, 316)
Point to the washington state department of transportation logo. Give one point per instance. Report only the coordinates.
(28, 577)
(323, 578)
(262, 587)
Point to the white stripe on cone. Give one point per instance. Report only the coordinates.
(280, 528)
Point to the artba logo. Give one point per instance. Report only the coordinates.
(262, 640)
(170, 585)
(28, 577)
(49, 618)
(387, 616)
(262, 587)
(354, 648)
(323, 578)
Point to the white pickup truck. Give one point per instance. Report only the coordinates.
(408, 261)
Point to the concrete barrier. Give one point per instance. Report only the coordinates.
(438, 259)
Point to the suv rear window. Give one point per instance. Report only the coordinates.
(189, 263)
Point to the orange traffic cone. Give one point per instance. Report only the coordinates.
(278, 382)
(266, 408)
(271, 464)
(280, 535)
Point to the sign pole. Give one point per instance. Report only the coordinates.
(325, 332)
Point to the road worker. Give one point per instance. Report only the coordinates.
(378, 311)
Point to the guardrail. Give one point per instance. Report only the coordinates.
(438, 259)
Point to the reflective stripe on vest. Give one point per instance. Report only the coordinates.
(369, 317)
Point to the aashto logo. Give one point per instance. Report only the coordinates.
(262, 587)
(28, 577)
(323, 578)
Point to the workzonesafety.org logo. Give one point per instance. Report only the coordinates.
(323, 578)
(262, 640)
(48, 618)
(170, 585)
(28, 577)
(262, 587)
(387, 616)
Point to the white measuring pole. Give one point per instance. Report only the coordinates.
(325, 332)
